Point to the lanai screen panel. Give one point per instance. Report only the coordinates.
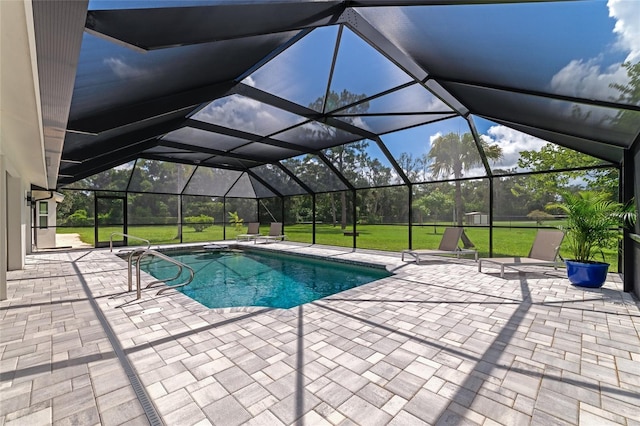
(247, 187)
(152, 209)
(408, 106)
(437, 151)
(560, 77)
(360, 72)
(248, 115)
(98, 152)
(169, 154)
(265, 152)
(520, 152)
(524, 197)
(597, 149)
(572, 118)
(381, 124)
(559, 48)
(111, 76)
(300, 73)
(230, 162)
(204, 139)
(409, 99)
(363, 164)
(84, 144)
(278, 179)
(160, 176)
(211, 181)
(316, 135)
(166, 25)
(245, 208)
(115, 179)
(314, 173)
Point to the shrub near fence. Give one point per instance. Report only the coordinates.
(199, 223)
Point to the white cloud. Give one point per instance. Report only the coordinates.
(412, 99)
(249, 81)
(246, 114)
(124, 70)
(125, 166)
(591, 78)
(587, 78)
(512, 143)
(359, 122)
(627, 15)
(433, 137)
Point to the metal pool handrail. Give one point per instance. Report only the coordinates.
(126, 236)
(140, 253)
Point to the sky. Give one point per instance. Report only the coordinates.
(569, 48)
(591, 40)
(611, 36)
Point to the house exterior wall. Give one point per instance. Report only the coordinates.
(3, 228)
(22, 160)
(44, 225)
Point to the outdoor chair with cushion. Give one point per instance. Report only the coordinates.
(450, 244)
(544, 252)
(253, 231)
(275, 233)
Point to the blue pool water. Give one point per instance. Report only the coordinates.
(234, 279)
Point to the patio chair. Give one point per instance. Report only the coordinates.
(253, 231)
(449, 244)
(544, 252)
(275, 233)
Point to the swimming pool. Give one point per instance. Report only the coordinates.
(250, 278)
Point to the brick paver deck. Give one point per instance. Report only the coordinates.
(436, 343)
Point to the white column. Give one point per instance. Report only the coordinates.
(16, 224)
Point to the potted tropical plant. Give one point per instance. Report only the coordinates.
(593, 223)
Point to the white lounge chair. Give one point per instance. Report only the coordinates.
(253, 231)
(449, 244)
(544, 252)
(275, 233)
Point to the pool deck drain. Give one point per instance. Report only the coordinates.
(435, 343)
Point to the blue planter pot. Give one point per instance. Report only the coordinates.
(591, 275)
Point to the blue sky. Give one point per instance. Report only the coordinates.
(573, 48)
(544, 39)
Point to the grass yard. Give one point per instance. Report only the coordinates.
(506, 241)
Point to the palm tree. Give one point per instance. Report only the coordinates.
(455, 154)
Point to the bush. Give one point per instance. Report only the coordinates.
(304, 214)
(78, 218)
(199, 223)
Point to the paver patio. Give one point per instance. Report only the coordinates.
(436, 343)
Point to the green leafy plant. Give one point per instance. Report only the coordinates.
(236, 220)
(593, 222)
(199, 223)
(78, 218)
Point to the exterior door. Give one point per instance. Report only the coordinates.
(111, 220)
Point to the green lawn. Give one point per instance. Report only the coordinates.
(506, 241)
